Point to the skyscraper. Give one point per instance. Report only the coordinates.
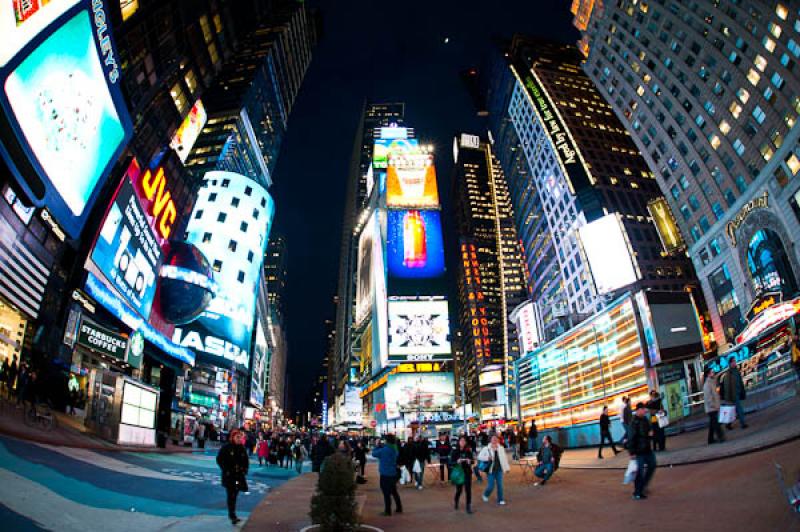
(573, 171)
(711, 95)
(491, 277)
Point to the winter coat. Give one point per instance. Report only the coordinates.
(387, 460)
(488, 454)
(605, 423)
(263, 449)
(457, 454)
(639, 439)
(711, 395)
(443, 449)
(627, 415)
(406, 457)
(422, 452)
(233, 461)
(733, 386)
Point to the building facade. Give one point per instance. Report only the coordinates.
(571, 167)
(710, 93)
(491, 278)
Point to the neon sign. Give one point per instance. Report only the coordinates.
(768, 318)
(160, 203)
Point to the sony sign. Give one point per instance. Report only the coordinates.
(211, 345)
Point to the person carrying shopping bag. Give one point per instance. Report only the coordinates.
(712, 405)
(461, 460)
(495, 455)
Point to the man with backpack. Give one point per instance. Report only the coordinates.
(640, 445)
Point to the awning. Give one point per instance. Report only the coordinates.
(769, 318)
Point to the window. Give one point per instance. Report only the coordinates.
(793, 163)
(741, 184)
(743, 95)
(781, 11)
(217, 266)
(759, 114)
(684, 182)
(248, 191)
(766, 151)
(738, 146)
(735, 109)
(718, 210)
(768, 43)
(234, 202)
(753, 77)
(240, 277)
(703, 221)
(686, 212)
(191, 80)
(250, 256)
(696, 234)
(675, 191)
(232, 245)
(724, 127)
(730, 197)
(221, 217)
(760, 63)
(793, 47)
(212, 196)
(774, 29)
(198, 214)
(226, 183)
(693, 202)
(777, 80)
(714, 247)
(243, 227)
(206, 237)
(179, 97)
(714, 140)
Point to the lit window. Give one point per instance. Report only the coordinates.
(766, 151)
(760, 62)
(753, 76)
(774, 29)
(777, 80)
(724, 127)
(191, 80)
(743, 95)
(735, 109)
(738, 145)
(640, 90)
(781, 11)
(217, 266)
(204, 25)
(714, 141)
(178, 96)
(769, 44)
(759, 115)
(793, 163)
(793, 47)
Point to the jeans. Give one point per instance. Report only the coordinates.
(298, 466)
(646, 468)
(740, 412)
(466, 487)
(544, 471)
(605, 435)
(418, 477)
(389, 489)
(444, 465)
(232, 493)
(495, 477)
(714, 428)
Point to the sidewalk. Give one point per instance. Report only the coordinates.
(69, 432)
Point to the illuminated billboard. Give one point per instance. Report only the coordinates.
(364, 287)
(385, 147)
(419, 330)
(230, 225)
(411, 181)
(67, 121)
(189, 130)
(606, 247)
(415, 249)
(258, 372)
(667, 228)
(524, 318)
(419, 392)
(126, 250)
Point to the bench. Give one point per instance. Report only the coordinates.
(792, 493)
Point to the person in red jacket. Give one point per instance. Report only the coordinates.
(262, 449)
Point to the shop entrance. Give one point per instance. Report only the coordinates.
(768, 264)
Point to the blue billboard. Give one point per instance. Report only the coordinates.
(66, 122)
(415, 249)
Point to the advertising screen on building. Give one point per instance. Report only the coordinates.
(419, 392)
(364, 286)
(667, 228)
(385, 147)
(674, 320)
(259, 367)
(524, 318)
(234, 240)
(608, 253)
(126, 251)
(419, 330)
(67, 117)
(567, 381)
(189, 130)
(411, 181)
(415, 249)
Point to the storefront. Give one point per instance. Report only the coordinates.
(12, 332)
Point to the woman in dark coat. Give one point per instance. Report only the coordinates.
(463, 457)
(234, 463)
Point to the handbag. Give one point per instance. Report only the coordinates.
(457, 476)
(484, 465)
(417, 467)
(405, 478)
(630, 472)
(727, 414)
(663, 419)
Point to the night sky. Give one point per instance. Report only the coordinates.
(379, 51)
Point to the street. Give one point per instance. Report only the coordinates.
(61, 488)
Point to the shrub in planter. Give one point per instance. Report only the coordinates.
(333, 506)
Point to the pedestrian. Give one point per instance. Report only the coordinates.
(443, 450)
(533, 434)
(262, 450)
(22, 382)
(407, 457)
(626, 417)
(386, 453)
(605, 433)
(422, 456)
(495, 455)
(299, 454)
(641, 449)
(232, 459)
(656, 407)
(200, 435)
(733, 391)
(360, 456)
(73, 392)
(712, 403)
(547, 461)
(320, 450)
(11, 376)
(478, 446)
(463, 457)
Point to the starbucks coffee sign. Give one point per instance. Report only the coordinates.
(760, 202)
(102, 340)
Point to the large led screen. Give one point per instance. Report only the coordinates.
(126, 250)
(385, 147)
(415, 249)
(524, 318)
(419, 330)
(419, 392)
(189, 130)
(667, 228)
(364, 287)
(411, 181)
(608, 253)
(68, 121)
(22, 20)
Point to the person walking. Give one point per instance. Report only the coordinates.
(640, 447)
(443, 450)
(232, 459)
(386, 453)
(422, 456)
(533, 434)
(733, 391)
(655, 406)
(200, 436)
(605, 434)
(463, 457)
(11, 376)
(22, 383)
(711, 404)
(406, 459)
(262, 450)
(360, 456)
(299, 454)
(625, 417)
(495, 455)
(547, 462)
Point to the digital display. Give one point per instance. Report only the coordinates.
(495, 376)
(608, 253)
(569, 380)
(667, 228)
(411, 181)
(128, 8)
(415, 249)
(189, 130)
(233, 239)
(259, 366)
(384, 147)
(64, 105)
(364, 286)
(419, 392)
(527, 328)
(676, 325)
(126, 250)
(419, 330)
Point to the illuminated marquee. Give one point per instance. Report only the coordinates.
(769, 318)
(479, 322)
(160, 206)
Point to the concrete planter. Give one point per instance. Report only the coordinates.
(361, 500)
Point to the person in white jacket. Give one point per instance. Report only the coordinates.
(712, 404)
(494, 455)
